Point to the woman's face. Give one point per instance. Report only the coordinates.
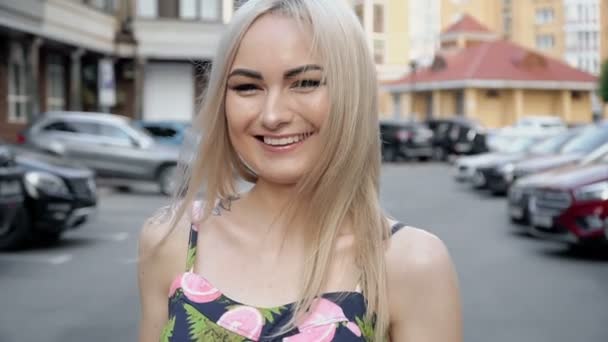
(276, 100)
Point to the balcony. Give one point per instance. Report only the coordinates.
(177, 39)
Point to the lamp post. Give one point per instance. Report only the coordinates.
(413, 68)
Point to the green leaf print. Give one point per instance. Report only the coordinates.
(168, 330)
(203, 329)
(271, 312)
(191, 257)
(366, 327)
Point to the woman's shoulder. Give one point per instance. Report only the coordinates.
(414, 250)
(161, 238)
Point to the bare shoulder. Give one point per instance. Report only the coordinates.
(159, 237)
(423, 288)
(414, 249)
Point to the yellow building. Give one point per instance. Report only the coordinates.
(493, 80)
(536, 24)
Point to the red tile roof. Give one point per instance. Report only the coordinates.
(467, 24)
(497, 60)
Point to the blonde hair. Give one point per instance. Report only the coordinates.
(343, 183)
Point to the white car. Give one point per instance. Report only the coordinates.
(530, 126)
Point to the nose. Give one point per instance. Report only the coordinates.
(275, 113)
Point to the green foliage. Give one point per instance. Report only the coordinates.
(202, 329)
(366, 327)
(269, 313)
(603, 89)
(168, 330)
(191, 257)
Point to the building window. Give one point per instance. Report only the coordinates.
(108, 6)
(208, 10)
(544, 16)
(545, 41)
(55, 83)
(198, 9)
(379, 52)
(378, 18)
(18, 98)
(359, 12)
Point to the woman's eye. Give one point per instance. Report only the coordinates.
(307, 84)
(245, 88)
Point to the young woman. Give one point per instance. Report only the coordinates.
(306, 254)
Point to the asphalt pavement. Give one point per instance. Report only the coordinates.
(514, 288)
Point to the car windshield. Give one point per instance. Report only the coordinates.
(553, 144)
(587, 141)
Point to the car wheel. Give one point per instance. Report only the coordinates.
(423, 158)
(17, 232)
(166, 180)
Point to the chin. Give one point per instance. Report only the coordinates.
(281, 175)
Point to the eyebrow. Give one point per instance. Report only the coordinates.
(288, 74)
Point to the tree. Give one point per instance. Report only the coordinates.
(603, 91)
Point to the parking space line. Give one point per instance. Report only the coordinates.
(52, 259)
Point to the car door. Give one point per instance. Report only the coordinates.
(121, 153)
(77, 139)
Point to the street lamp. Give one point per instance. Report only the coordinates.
(413, 68)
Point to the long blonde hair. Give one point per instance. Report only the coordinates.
(343, 183)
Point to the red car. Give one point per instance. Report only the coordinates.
(571, 204)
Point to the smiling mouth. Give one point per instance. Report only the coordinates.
(284, 141)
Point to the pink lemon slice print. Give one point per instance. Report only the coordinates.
(243, 320)
(198, 289)
(323, 311)
(321, 333)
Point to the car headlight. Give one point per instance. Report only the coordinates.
(36, 182)
(592, 192)
(507, 169)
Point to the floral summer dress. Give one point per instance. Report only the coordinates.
(200, 312)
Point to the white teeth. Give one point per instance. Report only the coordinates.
(286, 141)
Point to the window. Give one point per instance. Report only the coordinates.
(378, 18)
(72, 127)
(544, 15)
(198, 9)
(18, 98)
(55, 83)
(168, 8)
(379, 51)
(545, 41)
(113, 132)
(108, 6)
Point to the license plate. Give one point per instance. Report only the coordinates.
(542, 221)
(516, 212)
(10, 188)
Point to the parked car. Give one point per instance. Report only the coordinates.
(529, 126)
(457, 136)
(588, 140)
(571, 204)
(588, 146)
(466, 167)
(12, 200)
(497, 175)
(402, 139)
(110, 145)
(166, 132)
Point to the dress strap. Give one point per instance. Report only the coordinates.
(397, 226)
(192, 247)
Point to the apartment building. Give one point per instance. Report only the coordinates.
(51, 54)
(572, 30)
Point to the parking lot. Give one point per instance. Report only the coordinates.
(514, 288)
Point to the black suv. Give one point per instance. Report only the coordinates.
(12, 210)
(402, 139)
(457, 136)
(58, 195)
